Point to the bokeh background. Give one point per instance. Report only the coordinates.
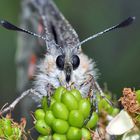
(117, 53)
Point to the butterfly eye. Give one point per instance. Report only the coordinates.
(60, 62)
(75, 61)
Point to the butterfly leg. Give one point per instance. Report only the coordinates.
(94, 89)
(49, 89)
(93, 97)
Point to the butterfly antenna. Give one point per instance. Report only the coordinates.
(124, 23)
(10, 26)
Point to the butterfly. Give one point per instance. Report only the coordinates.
(57, 52)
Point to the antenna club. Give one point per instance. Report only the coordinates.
(133, 17)
(1, 21)
(123, 24)
(126, 22)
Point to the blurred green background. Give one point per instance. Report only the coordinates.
(116, 53)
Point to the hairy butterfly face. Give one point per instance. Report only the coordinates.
(67, 62)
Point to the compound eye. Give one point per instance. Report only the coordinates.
(75, 62)
(60, 62)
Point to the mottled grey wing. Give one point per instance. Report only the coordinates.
(27, 46)
(67, 36)
(56, 24)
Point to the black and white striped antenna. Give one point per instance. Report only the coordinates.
(124, 23)
(10, 26)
